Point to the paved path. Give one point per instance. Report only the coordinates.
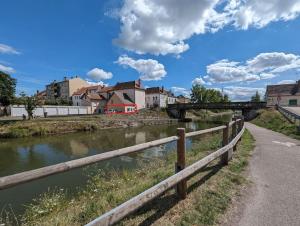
(275, 171)
(295, 110)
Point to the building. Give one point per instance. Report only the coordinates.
(64, 89)
(171, 98)
(120, 103)
(284, 94)
(156, 97)
(183, 100)
(89, 96)
(133, 90)
(78, 94)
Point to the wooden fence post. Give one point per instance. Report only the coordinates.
(228, 154)
(234, 132)
(180, 164)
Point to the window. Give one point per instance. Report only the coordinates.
(293, 102)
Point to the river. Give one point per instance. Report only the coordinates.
(18, 155)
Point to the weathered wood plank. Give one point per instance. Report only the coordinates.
(200, 132)
(138, 201)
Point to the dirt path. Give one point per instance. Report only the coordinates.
(275, 172)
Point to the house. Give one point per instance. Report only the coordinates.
(64, 89)
(89, 96)
(120, 103)
(183, 100)
(156, 97)
(171, 98)
(77, 95)
(95, 101)
(283, 94)
(134, 91)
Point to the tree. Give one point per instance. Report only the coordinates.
(200, 94)
(7, 90)
(256, 97)
(30, 103)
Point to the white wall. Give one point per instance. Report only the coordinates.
(19, 110)
(140, 99)
(156, 99)
(284, 100)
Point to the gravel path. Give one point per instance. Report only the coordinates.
(275, 171)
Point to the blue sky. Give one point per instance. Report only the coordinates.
(225, 44)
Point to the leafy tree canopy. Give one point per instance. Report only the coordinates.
(200, 94)
(7, 89)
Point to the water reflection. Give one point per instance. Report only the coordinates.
(19, 155)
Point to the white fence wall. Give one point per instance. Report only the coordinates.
(19, 110)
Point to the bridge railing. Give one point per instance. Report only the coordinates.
(291, 116)
(227, 105)
(231, 132)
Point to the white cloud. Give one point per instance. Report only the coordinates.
(225, 71)
(98, 74)
(238, 93)
(148, 69)
(199, 81)
(5, 49)
(259, 13)
(91, 83)
(162, 27)
(262, 66)
(180, 91)
(287, 82)
(7, 69)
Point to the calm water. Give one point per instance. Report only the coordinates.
(19, 155)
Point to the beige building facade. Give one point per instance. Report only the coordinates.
(283, 95)
(64, 89)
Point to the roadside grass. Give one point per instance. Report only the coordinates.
(274, 120)
(207, 199)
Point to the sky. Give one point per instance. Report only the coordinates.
(236, 46)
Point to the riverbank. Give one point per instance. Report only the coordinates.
(71, 124)
(274, 120)
(205, 204)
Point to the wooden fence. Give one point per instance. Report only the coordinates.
(232, 133)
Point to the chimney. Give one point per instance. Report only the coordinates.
(139, 83)
(65, 78)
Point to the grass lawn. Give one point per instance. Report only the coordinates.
(274, 120)
(209, 192)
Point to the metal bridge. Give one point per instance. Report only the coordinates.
(179, 110)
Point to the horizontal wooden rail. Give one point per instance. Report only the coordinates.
(19, 178)
(200, 132)
(138, 201)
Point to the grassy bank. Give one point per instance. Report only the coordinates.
(210, 192)
(60, 125)
(274, 120)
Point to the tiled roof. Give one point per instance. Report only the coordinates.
(283, 89)
(80, 91)
(125, 99)
(128, 85)
(154, 90)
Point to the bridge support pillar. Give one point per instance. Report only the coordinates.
(182, 114)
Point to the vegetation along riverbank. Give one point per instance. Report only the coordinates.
(209, 193)
(60, 125)
(274, 120)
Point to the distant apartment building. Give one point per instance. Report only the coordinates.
(156, 97)
(283, 94)
(64, 89)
